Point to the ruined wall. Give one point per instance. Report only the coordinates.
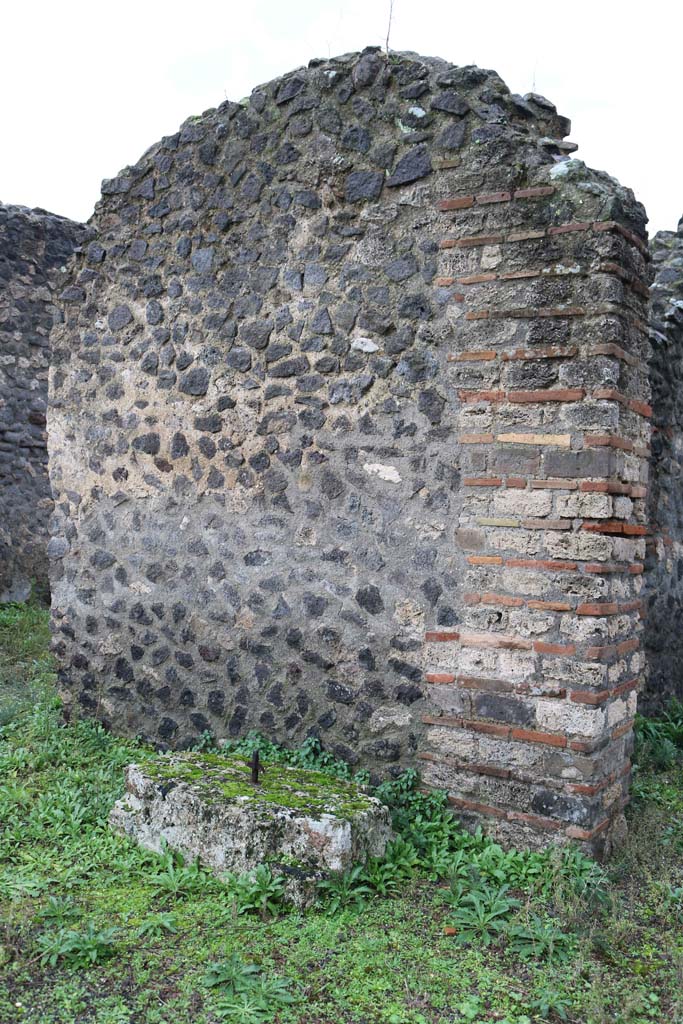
(663, 633)
(34, 248)
(346, 433)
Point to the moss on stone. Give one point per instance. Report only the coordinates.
(227, 777)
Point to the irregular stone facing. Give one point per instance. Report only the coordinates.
(326, 414)
(663, 639)
(34, 249)
(300, 822)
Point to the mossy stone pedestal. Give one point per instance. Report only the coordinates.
(302, 823)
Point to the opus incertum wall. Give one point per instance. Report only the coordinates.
(34, 248)
(663, 634)
(348, 426)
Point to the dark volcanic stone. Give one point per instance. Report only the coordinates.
(414, 165)
(450, 102)
(195, 382)
(370, 599)
(361, 185)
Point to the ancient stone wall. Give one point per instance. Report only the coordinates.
(663, 633)
(34, 248)
(347, 428)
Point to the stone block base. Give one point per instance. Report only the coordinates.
(300, 822)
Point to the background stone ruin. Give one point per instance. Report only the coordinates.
(349, 435)
(34, 248)
(663, 633)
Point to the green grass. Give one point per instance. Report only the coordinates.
(93, 929)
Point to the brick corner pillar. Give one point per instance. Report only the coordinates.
(534, 690)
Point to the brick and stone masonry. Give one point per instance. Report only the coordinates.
(664, 576)
(349, 436)
(34, 249)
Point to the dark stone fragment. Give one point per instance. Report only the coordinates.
(167, 728)
(123, 670)
(150, 363)
(417, 366)
(152, 286)
(404, 643)
(414, 90)
(361, 185)
(200, 722)
(385, 750)
(211, 423)
(405, 669)
(345, 91)
(216, 702)
(329, 120)
(401, 268)
(95, 252)
(415, 307)
(309, 200)
(330, 484)
(408, 694)
(414, 165)
(451, 103)
(289, 89)
(356, 138)
(327, 364)
(116, 186)
(339, 693)
(154, 312)
(259, 462)
(147, 443)
(432, 590)
(256, 333)
(102, 559)
(206, 447)
(287, 154)
(276, 351)
(314, 605)
(431, 404)
(237, 721)
(215, 480)
(367, 69)
(73, 294)
(503, 709)
(289, 367)
(239, 359)
(209, 652)
(160, 655)
(550, 804)
(327, 720)
(257, 557)
(322, 323)
(370, 599)
(453, 136)
(446, 616)
(119, 318)
(367, 659)
(179, 446)
(252, 188)
(195, 382)
(294, 638)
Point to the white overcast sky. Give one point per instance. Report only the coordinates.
(87, 87)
